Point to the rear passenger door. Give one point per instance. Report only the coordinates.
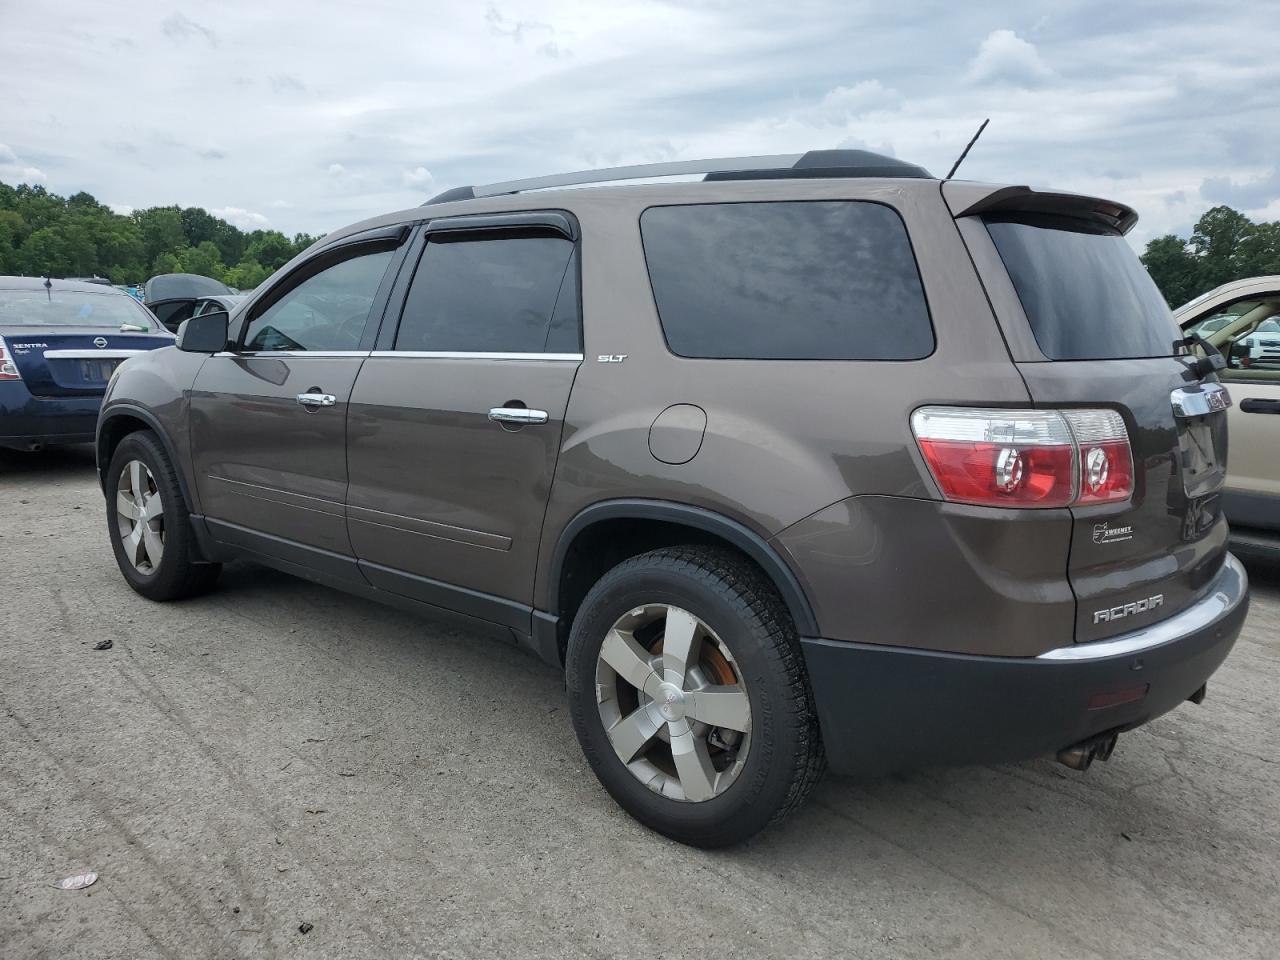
(455, 420)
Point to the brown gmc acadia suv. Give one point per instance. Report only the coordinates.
(816, 461)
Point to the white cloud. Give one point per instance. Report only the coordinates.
(14, 170)
(239, 217)
(123, 209)
(1140, 108)
(417, 177)
(1004, 57)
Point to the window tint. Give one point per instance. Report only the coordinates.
(813, 280)
(1085, 293)
(503, 294)
(327, 311)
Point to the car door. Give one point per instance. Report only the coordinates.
(1251, 499)
(455, 421)
(268, 417)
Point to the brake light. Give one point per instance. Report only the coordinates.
(1106, 463)
(1026, 458)
(8, 369)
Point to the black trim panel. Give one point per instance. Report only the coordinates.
(562, 223)
(266, 544)
(472, 603)
(742, 537)
(887, 710)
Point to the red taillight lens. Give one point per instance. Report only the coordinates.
(994, 473)
(8, 369)
(1106, 463)
(1025, 458)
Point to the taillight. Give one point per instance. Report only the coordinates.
(1025, 458)
(1106, 463)
(8, 369)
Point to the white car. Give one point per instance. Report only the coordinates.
(1242, 320)
(1263, 344)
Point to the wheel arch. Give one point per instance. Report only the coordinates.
(631, 526)
(124, 419)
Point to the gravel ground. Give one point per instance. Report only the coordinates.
(277, 754)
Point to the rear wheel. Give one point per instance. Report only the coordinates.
(149, 524)
(689, 696)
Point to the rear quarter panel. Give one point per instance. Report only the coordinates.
(784, 439)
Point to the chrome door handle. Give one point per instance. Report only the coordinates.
(518, 415)
(317, 399)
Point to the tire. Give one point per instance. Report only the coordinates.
(718, 796)
(176, 572)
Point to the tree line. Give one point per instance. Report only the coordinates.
(43, 234)
(1225, 245)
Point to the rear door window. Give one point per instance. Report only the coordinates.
(1083, 289)
(494, 293)
(800, 280)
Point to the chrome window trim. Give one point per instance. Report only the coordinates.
(474, 355)
(92, 354)
(1230, 591)
(330, 354)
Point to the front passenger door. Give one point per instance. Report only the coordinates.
(268, 418)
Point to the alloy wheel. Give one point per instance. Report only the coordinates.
(673, 703)
(140, 517)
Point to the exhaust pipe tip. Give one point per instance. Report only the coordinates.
(1081, 755)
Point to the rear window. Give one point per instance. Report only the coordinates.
(70, 308)
(807, 280)
(1084, 290)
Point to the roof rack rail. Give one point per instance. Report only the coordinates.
(815, 163)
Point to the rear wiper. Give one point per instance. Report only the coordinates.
(1211, 362)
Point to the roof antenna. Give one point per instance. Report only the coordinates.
(956, 166)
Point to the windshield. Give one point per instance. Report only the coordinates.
(1084, 290)
(69, 308)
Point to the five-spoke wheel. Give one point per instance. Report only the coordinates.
(140, 517)
(672, 703)
(688, 694)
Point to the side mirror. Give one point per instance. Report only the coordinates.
(206, 333)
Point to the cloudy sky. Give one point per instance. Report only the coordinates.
(307, 116)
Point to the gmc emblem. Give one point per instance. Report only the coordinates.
(1127, 609)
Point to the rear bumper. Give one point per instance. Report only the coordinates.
(889, 709)
(27, 421)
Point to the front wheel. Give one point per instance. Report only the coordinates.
(149, 525)
(689, 697)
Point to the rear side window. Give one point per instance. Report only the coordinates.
(808, 280)
(495, 294)
(1084, 290)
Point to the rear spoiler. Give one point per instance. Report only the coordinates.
(967, 199)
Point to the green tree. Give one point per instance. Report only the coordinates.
(246, 275)
(1174, 268)
(166, 262)
(42, 234)
(271, 248)
(161, 231)
(204, 259)
(1224, 246)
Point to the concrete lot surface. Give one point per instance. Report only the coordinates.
(276, 754)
